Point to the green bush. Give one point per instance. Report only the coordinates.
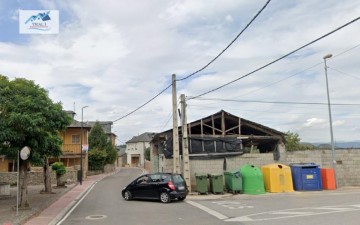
(97, 159)
(111, 154)
(59, 168)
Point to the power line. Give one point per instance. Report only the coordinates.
(302, 71)
(275, 102)
(344, 73)
(143, 104)
(252, 20)
(199, 69)
(278, 59)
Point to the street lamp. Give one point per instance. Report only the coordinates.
(81, 147)
(330, 119)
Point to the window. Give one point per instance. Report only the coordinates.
(75, 139)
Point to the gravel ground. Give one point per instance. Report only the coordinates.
(38, 202)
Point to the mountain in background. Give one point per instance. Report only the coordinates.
(338, 144)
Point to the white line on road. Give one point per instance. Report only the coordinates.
(208, 210)
(288, 214)
(291, 213)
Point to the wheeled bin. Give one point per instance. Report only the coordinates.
(216, 183)
(201, 183)
(233, 181)
(328, 178)
(277, 178)
(252, 180)
(306, 177)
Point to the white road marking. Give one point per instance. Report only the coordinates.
(335, 209)
(240, 219)
(291, 214)
(233, 205)
(208, 210)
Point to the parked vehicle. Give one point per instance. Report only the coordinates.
(162, 186)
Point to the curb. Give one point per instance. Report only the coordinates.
(63, 214)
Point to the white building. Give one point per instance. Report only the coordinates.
(135, 149)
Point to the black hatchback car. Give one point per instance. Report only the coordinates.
(162, 186)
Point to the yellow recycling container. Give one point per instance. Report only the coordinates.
(277, 178)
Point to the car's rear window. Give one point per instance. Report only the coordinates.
(160, 178)
(177, 179)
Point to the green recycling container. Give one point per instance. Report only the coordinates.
(233, 181)
(252, 180)
(201, 183)
(216, 183)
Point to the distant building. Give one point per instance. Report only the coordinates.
(135, 149)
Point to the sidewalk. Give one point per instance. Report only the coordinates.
(45, 208)
(55, 212)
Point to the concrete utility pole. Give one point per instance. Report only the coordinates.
(185, 147)
(176, 155)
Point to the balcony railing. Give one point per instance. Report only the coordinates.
(71, 148)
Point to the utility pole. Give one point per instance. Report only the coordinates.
(185, 147)
(176, 155)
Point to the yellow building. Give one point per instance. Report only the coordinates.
(75, 135)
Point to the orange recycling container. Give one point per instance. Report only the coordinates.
(328, 178)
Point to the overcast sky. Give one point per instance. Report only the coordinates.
(115, 55)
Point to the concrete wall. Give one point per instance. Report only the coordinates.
(348, 163)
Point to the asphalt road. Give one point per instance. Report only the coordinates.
(105, 205)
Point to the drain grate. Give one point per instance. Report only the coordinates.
(95, 217)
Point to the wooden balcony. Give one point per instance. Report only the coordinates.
(69, 149)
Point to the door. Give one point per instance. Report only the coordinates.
(135, 159)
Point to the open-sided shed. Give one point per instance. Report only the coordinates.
(221, 134)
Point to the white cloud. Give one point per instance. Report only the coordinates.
(114, 57)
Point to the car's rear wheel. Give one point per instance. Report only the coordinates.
(165, 197)
(181, 198)
(127, 195)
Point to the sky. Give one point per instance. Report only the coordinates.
(113, 56)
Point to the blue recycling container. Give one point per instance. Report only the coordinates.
(306, 177)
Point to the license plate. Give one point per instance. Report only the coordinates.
(181, 188)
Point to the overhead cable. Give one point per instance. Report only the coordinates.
(275, 102)
(126, 115)
(199, 69)
(302, 71)
(278, 59)
(252, 20)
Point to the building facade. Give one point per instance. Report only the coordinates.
(135, 149)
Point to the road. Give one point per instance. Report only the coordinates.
(105, 205)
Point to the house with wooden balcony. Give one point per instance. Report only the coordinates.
(75, 138)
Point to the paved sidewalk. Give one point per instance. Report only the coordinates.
(55, 212)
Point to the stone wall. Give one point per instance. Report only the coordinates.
(347, 168)
(37, 177)
(148, 165)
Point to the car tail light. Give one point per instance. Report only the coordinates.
(171, 186)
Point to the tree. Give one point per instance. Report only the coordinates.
(293, 142)
(97, 137)
(100, 147)
(147, 154)
(97, 159)
(28, 117)
(111, 153)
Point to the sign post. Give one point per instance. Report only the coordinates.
(24, 154)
